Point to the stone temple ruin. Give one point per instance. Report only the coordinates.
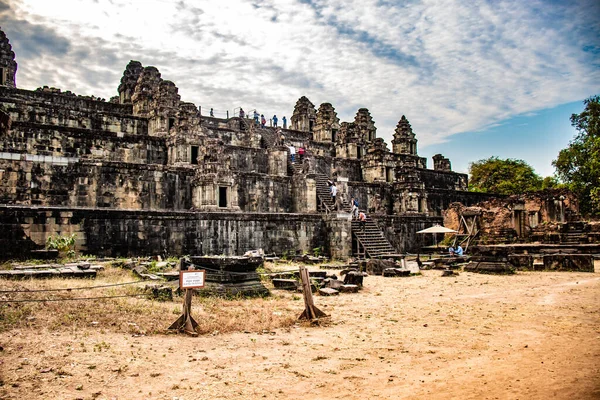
(147, 173)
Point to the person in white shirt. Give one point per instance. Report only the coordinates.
(334, 195)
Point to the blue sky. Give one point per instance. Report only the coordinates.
(535, 137)
(474, 78)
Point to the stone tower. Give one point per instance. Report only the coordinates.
(365, 125)
(441, 163)
(156, 99)
(327, 124)
(8, 65)
(129, 80)
(404, 141)
(304, 116)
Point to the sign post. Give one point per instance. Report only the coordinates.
(188, 280)
(310, 311)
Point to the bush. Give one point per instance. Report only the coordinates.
(65, 244)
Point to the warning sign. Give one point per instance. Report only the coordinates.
(191, 279)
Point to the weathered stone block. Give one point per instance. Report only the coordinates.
(285, 284)
(569, 262)
(521, 261)
(490, 267)
(396, 272)
(333, 283)
(376, 267)
(349, 288)
(353, 278)
(328, 292)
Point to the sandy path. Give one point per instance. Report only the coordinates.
(529, 336)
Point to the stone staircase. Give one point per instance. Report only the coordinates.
(371, 238)
(324, 202)
(296, 167)
(574, 232)
(269, 135)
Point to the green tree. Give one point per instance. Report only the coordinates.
(579, 164)
(510, 176)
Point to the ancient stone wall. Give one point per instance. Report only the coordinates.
(62, 100)
(439, 200)
(374, 198)
(89, 184)
(401, 231)
(33, 139)
(128, 233)
(263, 193)
(443, 180)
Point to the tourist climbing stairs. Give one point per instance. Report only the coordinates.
(324, 201)
(371, 239)
(297, 166)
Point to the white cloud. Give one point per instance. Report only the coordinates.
(449, 66)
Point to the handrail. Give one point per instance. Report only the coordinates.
(323, 203)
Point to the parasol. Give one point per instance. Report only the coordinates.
(437, 229)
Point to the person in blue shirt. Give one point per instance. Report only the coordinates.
(275, 121)
(459, 251)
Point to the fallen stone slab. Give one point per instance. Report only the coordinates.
(449, 272)
(285, 284)
(169, 276)
(328, 266)
(396, 272)
(353, 278)
(282, 275)
(317, 280)
(39, 266)
(349, 288)
(332, 283)
(141, 271)
(490, 267)
(328, 292)
(48, 273)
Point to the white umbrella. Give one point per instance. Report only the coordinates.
(437, 229)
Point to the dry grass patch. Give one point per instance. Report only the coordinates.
(137, 315)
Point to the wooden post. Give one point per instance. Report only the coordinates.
(310, 312)
(186, 322)
(188, 280)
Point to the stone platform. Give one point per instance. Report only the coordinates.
(229, 276)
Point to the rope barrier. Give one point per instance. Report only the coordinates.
(72, 299)
(75, 288)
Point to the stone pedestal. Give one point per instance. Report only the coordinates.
(229, 276)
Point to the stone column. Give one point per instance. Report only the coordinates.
(339, 237)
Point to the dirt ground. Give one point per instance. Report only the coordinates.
(534, 335)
